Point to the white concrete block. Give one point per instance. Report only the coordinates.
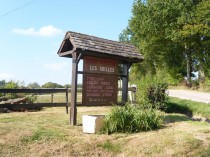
(92, 123)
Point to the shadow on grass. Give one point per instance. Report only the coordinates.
(184, 111)
(176, 118)
(172, 107)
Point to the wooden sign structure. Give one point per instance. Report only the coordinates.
(100, 69)
(100, 81)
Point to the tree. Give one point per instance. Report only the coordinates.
(148, 31)
(34, 85)
(67, 86)
(171, 35)
(193, 33)
(13, 85)
(2, 83)
(52, 85)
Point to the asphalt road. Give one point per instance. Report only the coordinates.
(190, 95)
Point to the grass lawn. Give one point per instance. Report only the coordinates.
(60, 97)
(57, 97)
(197, 108)
(48, 133)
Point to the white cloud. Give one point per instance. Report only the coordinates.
(43, 31)
(6, 76)
(56, 66)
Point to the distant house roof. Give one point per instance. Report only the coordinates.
(95, 46)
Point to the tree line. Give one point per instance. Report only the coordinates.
(19, 84)
(173, 36)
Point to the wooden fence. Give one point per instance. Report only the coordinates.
(48, 91)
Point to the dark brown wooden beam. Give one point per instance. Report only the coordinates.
(67, 100)
(83, 105)
(63, 54)
(32, 106)
(39, 90)
(48, 90)
(82, 72)
(126, 67)
(73, 109)
(40, 105)
(121, 59)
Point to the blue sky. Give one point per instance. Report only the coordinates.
(31, 35)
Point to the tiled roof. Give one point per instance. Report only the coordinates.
(99, 45)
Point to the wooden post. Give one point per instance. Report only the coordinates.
(51, 97)
(134, 95)
(125, 83)
(73, 109)
(67, 100)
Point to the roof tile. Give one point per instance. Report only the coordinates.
(100, 45)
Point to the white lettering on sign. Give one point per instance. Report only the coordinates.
(107, 69)
(93, 68)
(102, 69)
(96, 88)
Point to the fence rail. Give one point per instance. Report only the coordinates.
(46, 90)
(49, 90)
(38, 90)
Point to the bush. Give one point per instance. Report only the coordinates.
(152, 91)
(156, 95)
(31, 98)
(132, 119)
(13, 85)
(205, 85)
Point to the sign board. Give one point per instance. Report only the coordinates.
(100, 81)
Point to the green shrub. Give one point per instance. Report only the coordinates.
(131, 119)
(31, 98)
(156, 95)
(205, 85)
(152, 91)
(14, 85)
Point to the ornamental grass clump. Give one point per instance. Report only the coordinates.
(130, 119)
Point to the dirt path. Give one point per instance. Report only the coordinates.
(190, 95)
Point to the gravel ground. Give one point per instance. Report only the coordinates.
(190, 95)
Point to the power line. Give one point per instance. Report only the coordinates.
(18, 8)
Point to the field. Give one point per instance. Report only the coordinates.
(48, 133)
(60, 97)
